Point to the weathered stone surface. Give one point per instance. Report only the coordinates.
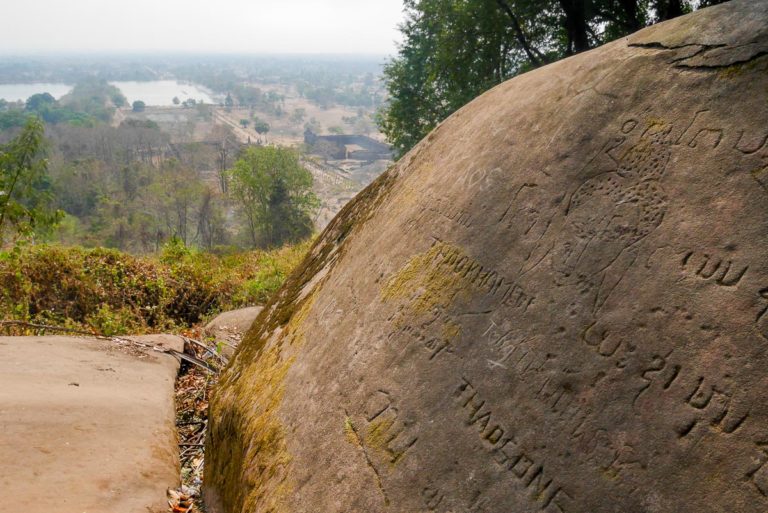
(86, 426)
(556, 302)
(228, 328)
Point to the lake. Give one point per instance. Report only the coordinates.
(162, 92)
(16, 92)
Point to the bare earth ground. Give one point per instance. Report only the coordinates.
(87, 426)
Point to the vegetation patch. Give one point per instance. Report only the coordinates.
(114, 293)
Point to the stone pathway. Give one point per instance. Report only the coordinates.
(86, 425)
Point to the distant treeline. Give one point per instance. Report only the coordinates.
(351, 81)
(90, 102)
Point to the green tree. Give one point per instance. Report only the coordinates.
(178, 190)
(261, 126)
(454, 50)
(244, 123)
(139, 106)
(176, 100)
(36, 102)
(25, 198)
(274, 194)
(117, 97)
(14, 118)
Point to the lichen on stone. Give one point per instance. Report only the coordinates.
(426, 283)
(257, 476)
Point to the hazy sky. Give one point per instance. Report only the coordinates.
(242, 26)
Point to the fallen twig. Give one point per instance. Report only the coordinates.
(206, 348)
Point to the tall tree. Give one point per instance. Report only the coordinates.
(274, 194)
(454, 50)
(25, 198)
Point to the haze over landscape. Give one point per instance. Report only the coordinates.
(200, 26)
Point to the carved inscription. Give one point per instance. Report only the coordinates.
(760, 175)
(716, 406)
(607, 217)
(758, 475)
(434, 345)
(478, 179)
(713, 268)
(611, 212)
(658, 369)
(519, 359)
(750, 143)
(490, 281)
(525, 214)
(385, 430)
(711, 404)
(706, 132)
(523, 467)
(761, 320)
(607, 345)
(434, 497)
(442, 207)
(503, 342)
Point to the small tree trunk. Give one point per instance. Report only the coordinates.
(668, 9)
(575, 25)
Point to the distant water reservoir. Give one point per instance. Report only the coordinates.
(16, 92)
(162, 92)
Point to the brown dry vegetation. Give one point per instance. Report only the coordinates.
(111, 292)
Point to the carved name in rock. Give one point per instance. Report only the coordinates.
(557, 302)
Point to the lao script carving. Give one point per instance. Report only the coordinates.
(434, 497)
(383, 431)
(708, 267)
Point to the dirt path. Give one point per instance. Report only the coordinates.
(87, 425)
(244, 135)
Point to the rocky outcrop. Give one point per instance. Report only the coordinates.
(558, 301)
(227, 328)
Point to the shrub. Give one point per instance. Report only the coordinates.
(116, 293)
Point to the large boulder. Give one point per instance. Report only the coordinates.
(558, 301)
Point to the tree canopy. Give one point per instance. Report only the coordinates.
(274, 194)
(261, 126)
(25, 199)
(454, 50)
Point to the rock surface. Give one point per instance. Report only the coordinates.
(86, 426)
(558, 301)
(228, 328)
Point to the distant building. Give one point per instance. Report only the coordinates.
(352, 147)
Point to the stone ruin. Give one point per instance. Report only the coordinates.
(347, 146)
